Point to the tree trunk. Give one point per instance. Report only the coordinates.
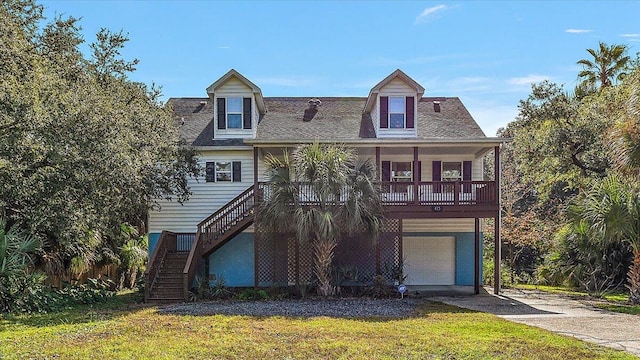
(633, 277)
(323, 249)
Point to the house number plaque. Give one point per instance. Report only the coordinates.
(436, 208)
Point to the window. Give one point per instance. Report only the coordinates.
(223, 171)
(401, 171)
(451, 171)
(397, 112)
(234, 113)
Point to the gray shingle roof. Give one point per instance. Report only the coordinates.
(338, 118)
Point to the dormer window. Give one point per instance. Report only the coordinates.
(397, 112)
(234, 113)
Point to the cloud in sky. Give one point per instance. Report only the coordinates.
(293, 81)
(527, 80)
(428, 11)
(577, 31)
(224, 47)
(630, 35)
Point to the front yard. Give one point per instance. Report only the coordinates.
(130, 331)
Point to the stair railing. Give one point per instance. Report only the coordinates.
(213, 226)
(166, 243)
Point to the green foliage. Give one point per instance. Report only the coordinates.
(608, 65)
(83, 149)
(252, 294)
(379, 288)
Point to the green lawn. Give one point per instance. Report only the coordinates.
(613, 302)
(125, 331)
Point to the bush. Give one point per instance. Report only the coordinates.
(253, 294)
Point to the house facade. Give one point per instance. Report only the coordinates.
(429, 154)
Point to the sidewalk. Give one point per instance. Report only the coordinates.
(558, 313)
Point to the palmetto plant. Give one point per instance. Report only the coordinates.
(612, 211)
(321, 193)
(16, 249)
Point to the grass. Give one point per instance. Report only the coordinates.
(616, 302)
(122, 330)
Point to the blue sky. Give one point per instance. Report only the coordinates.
(486, 53)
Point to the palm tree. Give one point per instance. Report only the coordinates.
(612, 210)
(321, 193)
(608, 65)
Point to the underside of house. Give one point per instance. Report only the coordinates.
(429, 154)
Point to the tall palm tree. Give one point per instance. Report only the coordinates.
(608, 65)
(321, 192)
(612, 209)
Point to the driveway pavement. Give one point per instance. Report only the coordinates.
(558, 313)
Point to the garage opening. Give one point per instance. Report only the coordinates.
(429, 260)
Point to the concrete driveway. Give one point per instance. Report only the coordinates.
(558, 313)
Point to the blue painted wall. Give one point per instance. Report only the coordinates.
(234, 261)
(153, 241)
(464, 254)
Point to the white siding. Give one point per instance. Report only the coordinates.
(437, 225)
(235, 88)
(206, 198)
(397, 87)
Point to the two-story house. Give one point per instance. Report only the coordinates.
(429, 152)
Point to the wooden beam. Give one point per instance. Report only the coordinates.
(497, 242)
(416, 200)
(378, 163)
(476, 256)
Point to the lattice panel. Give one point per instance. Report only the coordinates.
(271, 260)
(357, 254)
(389, 248)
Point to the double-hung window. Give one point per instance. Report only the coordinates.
(452, 171)
(234, 113)
(397, 108)
(223, 171)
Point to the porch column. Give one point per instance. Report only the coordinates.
(378, 178)
(256, 233)
(498, 219)
(415, 176)
(476, 255)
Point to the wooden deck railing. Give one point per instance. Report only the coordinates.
(166, 242)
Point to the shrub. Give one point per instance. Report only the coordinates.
(253, 294)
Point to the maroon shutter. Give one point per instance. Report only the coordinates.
(210, 173)
(236, 167)
(436, 175)
(386, 171)
(246, 113)
(384, 112)
(466, 176)
(409, 107)
(222, 113)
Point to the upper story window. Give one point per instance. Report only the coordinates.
(397, 110)
(234, 113)
(223, 171)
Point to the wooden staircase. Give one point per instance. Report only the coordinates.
(170, 273)
(168, 283)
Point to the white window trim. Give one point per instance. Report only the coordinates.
(404, 112)
(450, 162)
(216, 172)
(241, 113)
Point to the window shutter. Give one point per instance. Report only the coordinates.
(384, 112)
(246, 113)
(222, 113)
(466, 176)
(237, 171)
(386, 171)
(210, 172)
(436, 175)
(409, 107)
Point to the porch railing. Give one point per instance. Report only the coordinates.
(166, 242)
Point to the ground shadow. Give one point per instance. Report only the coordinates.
(490, 303)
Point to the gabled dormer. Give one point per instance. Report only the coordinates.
(238, 105)
(392, 104)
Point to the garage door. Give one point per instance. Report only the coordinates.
(430, 260)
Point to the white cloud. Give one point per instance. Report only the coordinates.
(577, 31)
(630, 35)
(492, 117)
(286, 81)
(527, 80)
(224, 47)
(428, 11)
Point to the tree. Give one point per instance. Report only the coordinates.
(612, 212)
(608, 65)
(321, 193)
(83, 149)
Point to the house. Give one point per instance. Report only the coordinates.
(429, 152)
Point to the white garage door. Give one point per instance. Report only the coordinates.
(430, 260)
